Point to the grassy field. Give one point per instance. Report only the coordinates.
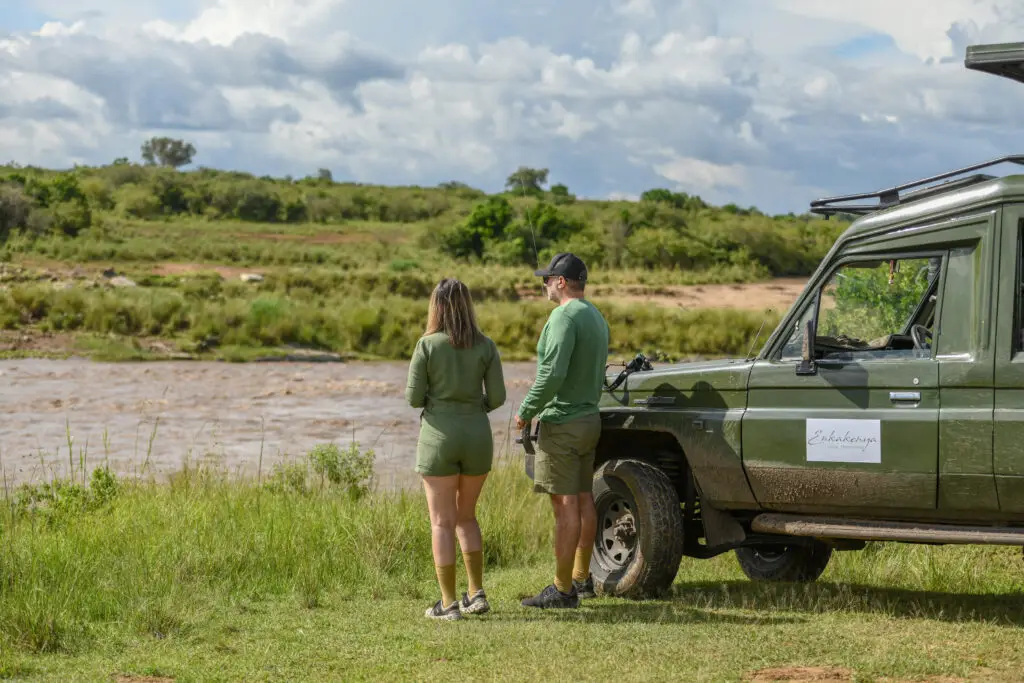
(136, 262)
(308, 574)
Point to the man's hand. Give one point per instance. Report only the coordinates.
(520, 423)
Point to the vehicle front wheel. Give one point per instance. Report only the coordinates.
(784, 562)
(639, 539)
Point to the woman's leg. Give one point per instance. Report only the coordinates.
(441, 497)
(468, 529)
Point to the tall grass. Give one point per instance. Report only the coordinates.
(378, 327)
(74, 561)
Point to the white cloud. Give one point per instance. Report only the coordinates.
(227, 20)
(757, 102)
(701, 175)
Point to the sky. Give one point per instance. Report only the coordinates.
(766, 103)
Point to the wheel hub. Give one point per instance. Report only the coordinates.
(617, 533)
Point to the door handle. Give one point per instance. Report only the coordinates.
(905, 396)
(655, 401)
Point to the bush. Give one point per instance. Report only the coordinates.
(15, 210)
(69, 218)
(350, 470)
(258, 205)
(138, 202)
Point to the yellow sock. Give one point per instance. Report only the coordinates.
(446, 578)
(581, 569)
(563, 575)
(474, 570)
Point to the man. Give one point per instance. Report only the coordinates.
(572, 354)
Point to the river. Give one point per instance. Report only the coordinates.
(221, 414)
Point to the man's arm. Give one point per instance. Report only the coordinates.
(416, 385)
(551, 366)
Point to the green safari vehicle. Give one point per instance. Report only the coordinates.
(888, 405)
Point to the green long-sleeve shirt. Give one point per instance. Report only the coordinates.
(445, 379)
(572, 356)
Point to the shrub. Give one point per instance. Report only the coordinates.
(15, 209)
(350, 470)
(258, 205)
(69, 218)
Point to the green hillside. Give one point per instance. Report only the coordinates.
(347, 267)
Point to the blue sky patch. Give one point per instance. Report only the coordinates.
(864, 45)
(21, 19)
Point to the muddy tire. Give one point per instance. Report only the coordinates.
(639, 530)
(784, 562)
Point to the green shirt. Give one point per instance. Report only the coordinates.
(444, 379)
(572, 357)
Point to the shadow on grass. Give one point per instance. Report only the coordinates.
(613, 611)
(1006, 609)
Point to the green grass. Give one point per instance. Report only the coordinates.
(205, 316)
(211, 578)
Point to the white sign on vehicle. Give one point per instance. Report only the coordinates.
(855, 441)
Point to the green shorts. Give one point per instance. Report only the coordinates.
(454, 444)
(564, 464)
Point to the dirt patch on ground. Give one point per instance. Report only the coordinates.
(165, 269)
(318, 238)
(778, 295)
(36, 342)
(799, 673)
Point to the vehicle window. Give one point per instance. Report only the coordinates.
(873, 310)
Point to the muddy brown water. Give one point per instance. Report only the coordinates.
(214, 413)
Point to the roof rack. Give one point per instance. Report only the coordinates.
(999, 59)
(891, 197)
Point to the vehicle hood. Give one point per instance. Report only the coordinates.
(703, 382)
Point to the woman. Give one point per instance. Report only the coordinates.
(455, 375)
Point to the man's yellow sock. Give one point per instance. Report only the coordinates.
(474, 570)
(581, 568)
(563, 575)
(446, 579)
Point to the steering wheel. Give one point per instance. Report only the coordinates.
(919, 333)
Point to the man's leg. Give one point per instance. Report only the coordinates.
(567, 536)
(585, 546)
(588, 432)
(556, 473)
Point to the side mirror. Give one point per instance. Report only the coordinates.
(807, 365)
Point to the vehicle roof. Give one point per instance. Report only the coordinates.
(994, 191)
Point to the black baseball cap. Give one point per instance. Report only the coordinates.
(570, 266)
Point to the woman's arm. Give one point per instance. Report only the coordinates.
(494, 382)
(417, 383)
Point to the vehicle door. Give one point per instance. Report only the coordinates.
(860, 431)
(1009, 366)
(871, 431)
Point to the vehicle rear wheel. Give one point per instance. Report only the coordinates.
(639, 539)
(784, 562)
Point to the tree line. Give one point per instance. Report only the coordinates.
(525, 223)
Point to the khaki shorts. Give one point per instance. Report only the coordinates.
(564, 465)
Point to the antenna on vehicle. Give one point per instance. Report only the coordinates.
(756, 337)
(529, 221)
(525, 438)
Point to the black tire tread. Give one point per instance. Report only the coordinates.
(657, 560)
(803, 564)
